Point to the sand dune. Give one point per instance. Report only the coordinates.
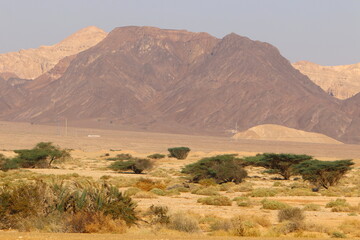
(272, 132)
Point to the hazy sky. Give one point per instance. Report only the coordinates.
(322, 31)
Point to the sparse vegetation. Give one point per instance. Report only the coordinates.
(179, 152)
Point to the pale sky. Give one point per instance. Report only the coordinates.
(326, 32)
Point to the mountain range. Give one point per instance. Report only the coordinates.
(339, 81)
(146, 78)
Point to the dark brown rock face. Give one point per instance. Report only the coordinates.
(178, 81)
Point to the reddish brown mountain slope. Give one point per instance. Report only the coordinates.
(178, 81)
(10, 97)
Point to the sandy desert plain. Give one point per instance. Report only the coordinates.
(89, 161)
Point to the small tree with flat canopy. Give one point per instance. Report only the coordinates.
(282, 163)
(324, 173)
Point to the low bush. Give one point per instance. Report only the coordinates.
(158, 191)
(243, 201)
(263, 192)
(132, 191)
(137, 165)
(208, 182)
(147, 184)
(244, 227)
(143, 194)
(291, 214)
(156, 156)
(75, 205)
(209, 191)
(158, 215)
(339, 205)
(121, 156)
(215, 200)
(179, 152)
(351, 226)
(338, 235)
(273, 205)
(184, 222)
(312, 207)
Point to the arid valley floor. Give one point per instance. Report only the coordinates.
(89, 161)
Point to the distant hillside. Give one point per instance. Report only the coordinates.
(151, 79)
(271, 132)
(339, 81)
(31, 63)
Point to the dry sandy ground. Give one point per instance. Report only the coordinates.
(25, 135)
(132, 236)
(89, 160)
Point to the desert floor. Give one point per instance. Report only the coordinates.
(88, 160)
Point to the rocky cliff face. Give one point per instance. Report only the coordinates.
(178, 81)
(339, 81)
(31, 63)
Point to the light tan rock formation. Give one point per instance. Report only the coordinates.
(340, 81)
(31, 63)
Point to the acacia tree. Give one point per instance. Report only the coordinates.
(42, 155)
(324, 173)
(222, 168)
(282, 163)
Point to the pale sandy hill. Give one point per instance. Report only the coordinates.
(340, 81)
(272, 132)
(31, 63)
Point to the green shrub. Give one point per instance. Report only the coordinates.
(323, 173)
(263, 192)
(338, 235)
(222, 168)
(39, 200)
(158, 191)
(242, 201)
(209, 191)
(156, 156)
(312, 207)
(215, 200)
(291, 214)
(339, 205)
(137, 165)
(179, 152)
(132, 191)
(273, 205)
